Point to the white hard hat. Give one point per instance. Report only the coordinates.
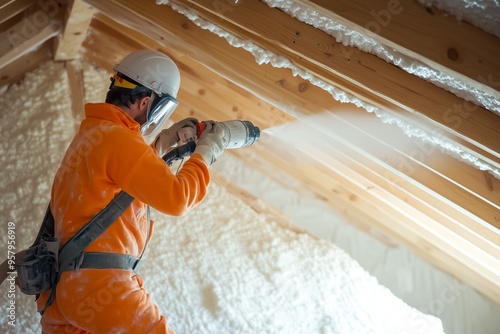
(157, 72)
(153, 70)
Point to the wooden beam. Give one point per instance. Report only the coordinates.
(5, 3)
(27, 35)
(28, 45)
(219, 106)
(429, 35)
(15, 71)
(77, 19)
(12, 8)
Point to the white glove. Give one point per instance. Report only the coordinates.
(168, 137)
(211, 142)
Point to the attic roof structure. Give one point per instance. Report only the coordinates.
(388, 111)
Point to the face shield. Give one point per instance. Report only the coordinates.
(159, 110)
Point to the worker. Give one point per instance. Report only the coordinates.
(108, 155)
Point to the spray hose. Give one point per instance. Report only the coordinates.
(179, 153)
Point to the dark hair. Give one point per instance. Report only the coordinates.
(120, 99)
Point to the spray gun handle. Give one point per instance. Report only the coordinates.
(188, 134)
(201, 126)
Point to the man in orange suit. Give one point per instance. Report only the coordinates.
(109, 155)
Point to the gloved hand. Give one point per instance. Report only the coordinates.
(211, 142)
(168, 137)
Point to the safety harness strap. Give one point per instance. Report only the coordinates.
(103, 260)
(71, 250)
(72, 255)
(100, 260)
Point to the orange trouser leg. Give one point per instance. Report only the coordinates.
(102, 301)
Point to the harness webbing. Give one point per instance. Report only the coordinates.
(72, 256)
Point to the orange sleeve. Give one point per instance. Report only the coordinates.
(154, 148)
(136, 168)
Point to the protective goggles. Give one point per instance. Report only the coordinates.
(159, 110)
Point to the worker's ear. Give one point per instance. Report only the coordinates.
(143, 103)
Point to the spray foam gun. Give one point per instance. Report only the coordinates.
(236, 134)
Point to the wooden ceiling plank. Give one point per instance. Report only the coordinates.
(27, 45)
(5, 3)
(210, 105)
(77, 19)
(361, 74)
(16, 70)
(13, 8)
(428, 35)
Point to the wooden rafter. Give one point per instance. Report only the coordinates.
(363, 75)
(15, 70)
(29, 33)
(399, 193)
(12, 8)
(426, 34)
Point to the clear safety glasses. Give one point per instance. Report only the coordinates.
(159, 110)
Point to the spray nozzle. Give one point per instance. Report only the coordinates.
(236, 134)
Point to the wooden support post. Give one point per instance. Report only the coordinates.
(74, 69)
(77, 20)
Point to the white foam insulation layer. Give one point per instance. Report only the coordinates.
(223, 268)
(484, 14)
(263, 56)
(349, 37)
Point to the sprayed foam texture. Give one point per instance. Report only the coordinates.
(484, 14)
(37, 126)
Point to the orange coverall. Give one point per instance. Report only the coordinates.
(106, 156)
